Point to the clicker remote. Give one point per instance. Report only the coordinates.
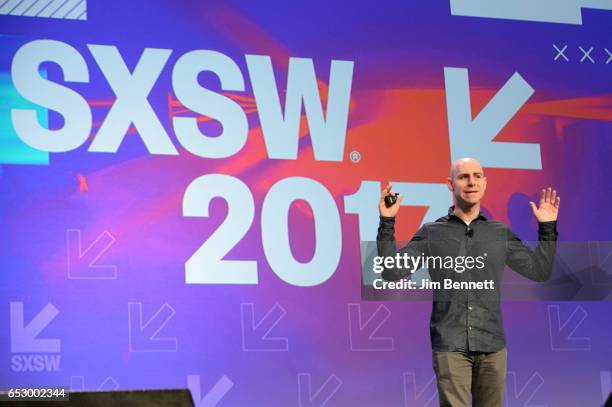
(390, 200)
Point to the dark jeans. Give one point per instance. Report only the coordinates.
(465, 376)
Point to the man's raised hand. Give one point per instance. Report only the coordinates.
(549, 206)
(391, 211)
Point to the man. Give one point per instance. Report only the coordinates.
(467, 335)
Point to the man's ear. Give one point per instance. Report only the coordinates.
(484, 184)
(449, 184)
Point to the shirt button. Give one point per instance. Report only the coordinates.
(470, 307)
(470, 328)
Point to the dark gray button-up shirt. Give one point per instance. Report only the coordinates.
(470, 319)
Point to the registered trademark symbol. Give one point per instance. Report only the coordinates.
(355, 156)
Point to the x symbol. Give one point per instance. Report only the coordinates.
(609, 56)
(586, 54)
(560, 53)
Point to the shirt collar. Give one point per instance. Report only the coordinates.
(451, 214)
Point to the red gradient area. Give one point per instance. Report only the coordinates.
(590, 108)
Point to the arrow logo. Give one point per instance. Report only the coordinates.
(523, 396)
(412, 395)
(77, 383)
(24, 337)
(320, 398)
(562, 334)
(255, 336)
(82, 263)
(474, 138)
(143, 337)
(361, 334)
(214, 395)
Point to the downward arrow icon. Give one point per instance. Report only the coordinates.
(214, 395)
(522, 397)
(319, 398)
(77, 383)
(23, 338)
(412, 396)
(474, 138)
(255, 335)
(82, 264)
(562, 333)
(361, 334)
(143, 336)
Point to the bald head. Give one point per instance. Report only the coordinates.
(466, 163)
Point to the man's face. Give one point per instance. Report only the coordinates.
(468, 182)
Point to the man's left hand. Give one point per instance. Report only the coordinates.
(549, 206)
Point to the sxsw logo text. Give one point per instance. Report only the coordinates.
(30, 353)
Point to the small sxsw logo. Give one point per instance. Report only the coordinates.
(30, 353)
